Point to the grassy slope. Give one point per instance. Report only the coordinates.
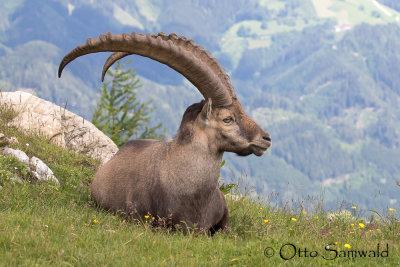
(48, 225)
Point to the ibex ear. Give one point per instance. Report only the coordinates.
(206, 111)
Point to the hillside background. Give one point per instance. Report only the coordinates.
(321, 76)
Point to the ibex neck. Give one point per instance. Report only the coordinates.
(199, 166)
(198, 149)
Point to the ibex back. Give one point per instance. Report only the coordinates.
(176, 180)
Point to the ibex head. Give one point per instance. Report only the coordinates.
(225, 128)
(220, 120)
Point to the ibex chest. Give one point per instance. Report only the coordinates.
(191, 176)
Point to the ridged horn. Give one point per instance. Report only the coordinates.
(111, 60)
(192, 61)
(199, 51)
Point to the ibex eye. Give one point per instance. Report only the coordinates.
(228, 119)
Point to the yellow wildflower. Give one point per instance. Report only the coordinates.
(378, 229)
(370, 230)
(352, 224)
(304, 212)
(266, 220)
(336, 243)
(56, 188)
(153, 218)
(95, 221)
(347, 246)
(351, 232)
(354, 207)
(392, 210)
(347, 214)
(260, 208)
(316, 217)
(294, 219)
(361, 225)
(290, 229)
(146, 216)
(377, 220)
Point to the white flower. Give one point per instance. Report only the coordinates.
(342, 215)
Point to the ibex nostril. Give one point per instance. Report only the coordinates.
(267, 138)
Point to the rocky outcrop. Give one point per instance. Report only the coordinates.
(37, 168)
(59, 125)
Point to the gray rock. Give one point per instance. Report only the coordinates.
(20, 155)
(42, 172)
(59, 125)
(35, 166)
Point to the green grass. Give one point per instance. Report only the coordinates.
(45, 225)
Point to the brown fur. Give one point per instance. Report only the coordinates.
(185, 132)
(176, 180)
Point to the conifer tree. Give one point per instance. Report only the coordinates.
(119, 114)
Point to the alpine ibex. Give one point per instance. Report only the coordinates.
(176, 180)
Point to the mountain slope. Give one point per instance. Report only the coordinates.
(321, 76)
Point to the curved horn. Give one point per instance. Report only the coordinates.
(184, 57)
(188, 45)
(111, 60)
